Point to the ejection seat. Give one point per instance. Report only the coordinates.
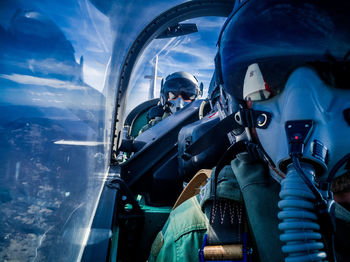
(137, 118)
(152, 168)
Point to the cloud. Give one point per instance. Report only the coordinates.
(94, 74)
(199, 59)
(101, 26)
(43, 66)
(45, 94)
(205, 24)
(184, 54)
(40, 81)
(78, 143)
(52, 66)
(94, 32)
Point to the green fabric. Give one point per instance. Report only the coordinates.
(261, 195)
(138, 124)
(227, 187)
(182, 235)
(153, 122)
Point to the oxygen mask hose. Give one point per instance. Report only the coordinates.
(303, 242)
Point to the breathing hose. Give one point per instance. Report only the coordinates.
(303, 241)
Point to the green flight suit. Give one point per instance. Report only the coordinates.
(153, 122)
(183, 233)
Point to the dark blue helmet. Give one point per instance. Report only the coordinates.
(179, 83)
(281, 35)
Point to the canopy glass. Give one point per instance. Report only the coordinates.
(59, 68)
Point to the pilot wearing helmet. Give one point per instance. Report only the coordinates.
(178, 90)
(284, 65)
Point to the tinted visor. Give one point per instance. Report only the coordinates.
(180, 86)
(281, 37)
(173, 95)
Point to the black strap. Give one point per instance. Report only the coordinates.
(226, 223)
(226, 226)
(250, 118)
(255, 118)
(227, 157)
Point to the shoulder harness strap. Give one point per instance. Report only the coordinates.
(193, 187)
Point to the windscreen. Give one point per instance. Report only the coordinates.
(193, 53)
(53, 56)
(59, 63)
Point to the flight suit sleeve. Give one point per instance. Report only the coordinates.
(160, 248)
(182, 235)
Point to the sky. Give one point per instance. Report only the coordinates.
(47, 94)
(91, 35)
(85, 27)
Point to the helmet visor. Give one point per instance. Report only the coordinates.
(281, 37)
(173, 95)
(180, 86)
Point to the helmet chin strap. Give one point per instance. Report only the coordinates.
(266, 157)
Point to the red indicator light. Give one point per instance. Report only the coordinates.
(296, 137)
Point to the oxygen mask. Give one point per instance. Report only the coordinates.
(305, 136)
(309, 118)
(177, 103)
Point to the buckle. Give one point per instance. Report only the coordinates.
(225, 253)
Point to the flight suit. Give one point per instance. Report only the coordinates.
(184, 231)
(153, 122)
(183, 234)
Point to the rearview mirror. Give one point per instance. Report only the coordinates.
(178, 30)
